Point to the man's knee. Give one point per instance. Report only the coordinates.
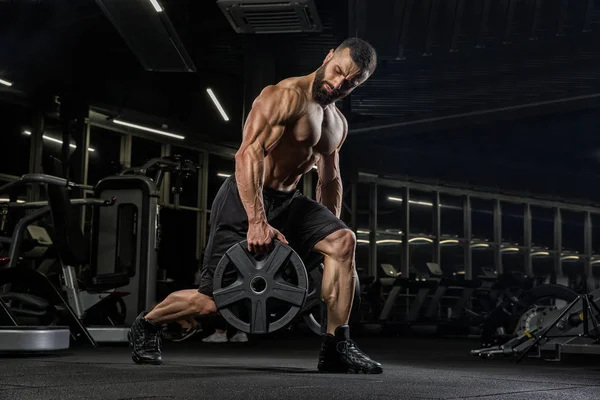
(340, 245)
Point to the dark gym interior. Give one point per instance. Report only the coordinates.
(467, 170)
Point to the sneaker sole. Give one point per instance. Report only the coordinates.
(141, 361)
(351, 370)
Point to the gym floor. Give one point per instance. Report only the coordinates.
(286, 369)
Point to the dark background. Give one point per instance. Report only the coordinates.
(469, 92)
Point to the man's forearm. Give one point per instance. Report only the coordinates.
(330, 195)
(249, 172)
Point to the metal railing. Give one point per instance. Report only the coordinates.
(526, 249)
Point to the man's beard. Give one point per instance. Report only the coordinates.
(319, 93)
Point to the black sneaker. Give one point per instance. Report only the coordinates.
(176, 333)
(145, 339)
(339, 354)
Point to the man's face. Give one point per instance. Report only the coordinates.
(337, 78)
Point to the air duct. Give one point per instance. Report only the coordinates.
(271, 16)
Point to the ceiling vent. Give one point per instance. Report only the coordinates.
(271, 16)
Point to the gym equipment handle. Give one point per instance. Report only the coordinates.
(75, 202)
(38, 178)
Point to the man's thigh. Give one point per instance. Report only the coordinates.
(222, 240)
(308, 223)
(228, 226)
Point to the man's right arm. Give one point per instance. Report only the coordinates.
(272, 110)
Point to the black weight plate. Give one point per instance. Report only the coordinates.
(269, 291)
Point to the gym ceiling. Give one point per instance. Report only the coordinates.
(466, 68)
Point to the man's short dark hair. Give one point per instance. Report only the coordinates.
(361, 52)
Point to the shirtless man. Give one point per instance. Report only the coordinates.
(292, 126)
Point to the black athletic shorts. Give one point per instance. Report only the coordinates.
(303, 221)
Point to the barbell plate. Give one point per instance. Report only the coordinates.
(277, 259)
(230, 295)
(290, 294)
(241, 260)
(260, 322)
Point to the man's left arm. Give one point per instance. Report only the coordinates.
(329, 185)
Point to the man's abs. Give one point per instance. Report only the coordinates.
(285, 166)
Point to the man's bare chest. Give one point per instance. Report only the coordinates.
(323, 130)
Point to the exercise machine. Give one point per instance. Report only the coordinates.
(550, 329)
(471, 300)
(123, 259)
(124, 246)
(419, 286)
(435, 303)
(135, 219)
(514, 312)
(14, 335)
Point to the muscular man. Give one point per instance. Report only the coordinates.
(292, 126)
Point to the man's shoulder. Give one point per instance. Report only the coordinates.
(288, 95)
(288, 87)
(279, 91)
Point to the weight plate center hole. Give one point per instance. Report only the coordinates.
(258, 285)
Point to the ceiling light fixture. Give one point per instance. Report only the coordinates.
(420, 203)
(144, 128)
(449, 241)
(6, 200)
(223, 175)
(566, 258)
(389, 241)
(51, 139)
(217, 104)
(420, 239)
(156, 6)
(6, 83)
(540, 253)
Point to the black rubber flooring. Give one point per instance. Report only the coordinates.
(286, 369)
